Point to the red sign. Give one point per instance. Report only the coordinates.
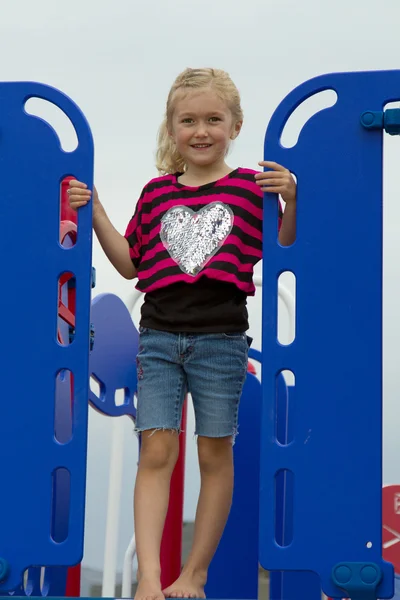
(391, 525)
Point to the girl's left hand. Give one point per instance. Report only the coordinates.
(277, 181)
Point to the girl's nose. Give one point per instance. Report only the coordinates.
(201, 131)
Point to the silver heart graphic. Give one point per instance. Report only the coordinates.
(192, 238)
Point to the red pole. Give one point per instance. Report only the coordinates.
(73, 588)
(171, 544)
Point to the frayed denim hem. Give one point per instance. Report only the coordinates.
(140, 430)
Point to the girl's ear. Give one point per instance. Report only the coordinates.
(236, 130)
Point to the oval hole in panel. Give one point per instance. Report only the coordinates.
(61, 505)
(64, 404)
(286, 308)
(66, 324)
(56, 119)
(283, 507)
(121, 396)
(68, 217)
(97, 387)
(303, 113)
(285, 382)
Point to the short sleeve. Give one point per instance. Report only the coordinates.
(133, 233)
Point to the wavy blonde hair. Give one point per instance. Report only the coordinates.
(168, 159)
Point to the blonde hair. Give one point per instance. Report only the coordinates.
(168, 159)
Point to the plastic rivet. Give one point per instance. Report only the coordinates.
(369, 575)
(368, 118)
(343, 574)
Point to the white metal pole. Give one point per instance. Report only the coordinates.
(127, 571)
(114, 492)
(113, 509)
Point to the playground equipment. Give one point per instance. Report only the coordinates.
(304, 472)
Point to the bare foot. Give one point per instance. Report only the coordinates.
(186, 586)
(149, 589)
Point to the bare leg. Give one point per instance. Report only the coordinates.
(216, 469)
(158, 455)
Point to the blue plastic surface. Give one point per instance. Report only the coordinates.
(336, 453)
(372, 119)
(359, 580)
(113, 360)
(89, 598)
(389, 120)
(52, 582)
(288, 585)
(114, 364)
(32, 166)
(234, 569)
(4, 569)
(392, 121)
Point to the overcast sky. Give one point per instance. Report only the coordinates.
(118, 59)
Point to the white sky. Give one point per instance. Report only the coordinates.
(118, 59)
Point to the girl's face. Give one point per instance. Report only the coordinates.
(202, 128)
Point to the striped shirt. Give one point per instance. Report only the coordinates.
(181, 233)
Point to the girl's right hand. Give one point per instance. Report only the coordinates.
(79, 195)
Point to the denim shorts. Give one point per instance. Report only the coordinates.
(211, 366)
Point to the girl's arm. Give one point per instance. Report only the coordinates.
(115, 245)
(279, 180)
(287, 232)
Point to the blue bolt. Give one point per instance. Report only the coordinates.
(372, 119)
(369, 575)
(368, 118)
(343, 574)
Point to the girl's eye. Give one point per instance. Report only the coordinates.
(188, 120)
(215, 119)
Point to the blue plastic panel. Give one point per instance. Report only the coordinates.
(86, 598)
(113, 359)
(336, 454)
(234, 569)
(288, 585)
(32, 166)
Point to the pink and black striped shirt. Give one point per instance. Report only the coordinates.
(180, 234)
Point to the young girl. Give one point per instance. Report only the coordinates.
(192, 243)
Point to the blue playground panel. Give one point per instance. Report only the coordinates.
(312, 530)
(32, 167)
(234, 569)
(288, 585)
(335, 457)
(113, 359)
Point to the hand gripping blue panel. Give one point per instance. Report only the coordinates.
(336, 454)
(32, 166)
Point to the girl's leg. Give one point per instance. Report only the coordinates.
(216, 369)
(161, 389)
(216, 470)
(159, 452)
